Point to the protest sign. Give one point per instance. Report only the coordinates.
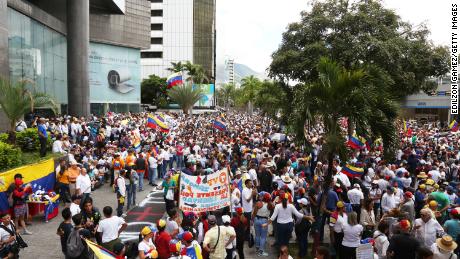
(204, 193)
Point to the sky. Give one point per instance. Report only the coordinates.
(249, 31)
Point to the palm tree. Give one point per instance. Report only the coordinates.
(185, 96)
(227, 91)
(196, 73)
(270, 98)
(250, 87)
(17, 99)
(341, 93)
(176, 67)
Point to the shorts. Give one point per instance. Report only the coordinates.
(20, 210)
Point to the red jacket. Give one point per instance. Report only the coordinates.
(162, 244)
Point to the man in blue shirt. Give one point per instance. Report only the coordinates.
(330, 207)
(42, 136)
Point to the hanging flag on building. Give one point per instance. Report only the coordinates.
(453, 126)
(174, 79)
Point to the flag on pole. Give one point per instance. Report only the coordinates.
(99, 252)
(352, 171)
(157, 122)
(453, 126)
(220, 125)
(356, 142)
(174, 79)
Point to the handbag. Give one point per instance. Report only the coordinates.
(20, 242)
(170, 194)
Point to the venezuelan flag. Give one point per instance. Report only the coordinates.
(155, 151)
(193, 252)
(405, 125)
(356, 142)
(151, 122)
(174, 79)
(453, 126)
(218, 124)
(99, 252)
(137, 143)
(352, 171)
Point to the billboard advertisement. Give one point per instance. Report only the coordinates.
(208, 95)
(114, 74)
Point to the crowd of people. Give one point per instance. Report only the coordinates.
(406, 207)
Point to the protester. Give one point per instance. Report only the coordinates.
(110, 228)
(146, 247)
(214, 240)
(64, 229)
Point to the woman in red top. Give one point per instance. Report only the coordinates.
(241, 224)
(162, 240)
(19, 203)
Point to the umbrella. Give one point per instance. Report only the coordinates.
(278, 137)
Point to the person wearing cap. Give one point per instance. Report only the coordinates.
(260, 215)
(217, 239)
(75, 205)
(146, 247)
(356, 198)
(110, 228)
(338, 218)
(408, 207)
(175, 250)
(444, 248)
(162, 240)
(191, 247)
(419, 199)
(403, 245)
(452, 226)
(426, 228)
(241, 226)
(119, 250)
(74, 172)
(388, 200)
(302, 227)
(443, 202)
(376, 194)
(226, 220)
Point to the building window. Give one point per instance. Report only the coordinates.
(152, 54)
(156, 26)
(156, 40)
(157, 13)
(156, 1)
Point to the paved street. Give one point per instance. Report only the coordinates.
(44, 243)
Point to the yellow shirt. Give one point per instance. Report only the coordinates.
(211, 238)
(73, 174)
(63, 178)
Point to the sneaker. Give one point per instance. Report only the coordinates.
(265, 254)
(27, 232)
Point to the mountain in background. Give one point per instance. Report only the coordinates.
(241, 71)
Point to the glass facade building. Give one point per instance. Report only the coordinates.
(38, 54)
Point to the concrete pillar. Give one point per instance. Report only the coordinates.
(77, 57)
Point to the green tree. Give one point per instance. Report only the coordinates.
(226, 95)
(153, 91)
(356, 33)
(194, 72)
(250, 87)
(185, 96)
(19, 98)
(270, 98)
(177, 67)
(339, 93)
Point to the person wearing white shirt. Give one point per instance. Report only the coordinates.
(381, 241)
(426, 228)
(284, 214)
(247, 198)
(435, 174)
(236, 198)
(153, 165)
(75, 205)
(21, 126)
(444, 248)
(83, 185)
(356, 196)
(343, 178)
(110, 228)
(352, 232)
(388, 200)
(120, 188)
(57, 146)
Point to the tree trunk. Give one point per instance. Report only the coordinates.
(327, 181)
(250, 108)
(350, 127)
(12, 133)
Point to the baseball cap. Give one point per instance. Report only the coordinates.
(161, 223)
(186, 235)
(146, 230)
(239, 210)
(421, 186)
(433, 203)
(174, 246)
(404, 224)
(340, 204)
(408, 194)
(303, 201)
(18, 176)
(226, 219)
(356, 186)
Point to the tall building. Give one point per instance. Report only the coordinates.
(230, 68)
(181, 30)
(84, 53)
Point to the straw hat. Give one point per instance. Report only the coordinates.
(446, 243)
(286, 178)
(422, 175)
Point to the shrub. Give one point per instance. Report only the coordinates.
(9, 156)
(4, 137)
(28, 140)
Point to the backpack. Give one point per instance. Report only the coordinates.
(75, 246)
